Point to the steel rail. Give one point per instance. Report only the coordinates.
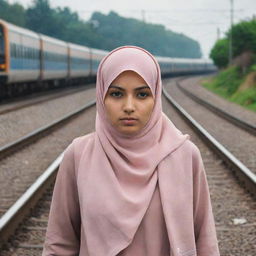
(11, 219)
(236, 121)
(21, 208)
(36, 134)
(245, 175)
(31, 100)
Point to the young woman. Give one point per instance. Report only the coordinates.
(137, 185)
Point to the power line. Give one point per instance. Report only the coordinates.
(168, 11)
(230, 34)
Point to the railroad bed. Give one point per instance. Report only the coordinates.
(39, 97)
(192, 84)
(229, 200)
(20, 169)
(22, 121)
(238, 141)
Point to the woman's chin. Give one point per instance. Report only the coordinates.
(129, 130)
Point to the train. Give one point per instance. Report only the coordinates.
(30, 60)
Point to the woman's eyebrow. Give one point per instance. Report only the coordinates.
(138, 88)
(142, 87)
(116, 87)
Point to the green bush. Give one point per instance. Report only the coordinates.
(246, 98)
(219, 53)
(226, 82)
(244, 40)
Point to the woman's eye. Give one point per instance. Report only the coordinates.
(116, 94)
(142, 95)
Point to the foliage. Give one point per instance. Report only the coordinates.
(219, 53)
(253, 68)
(100, 31)
(40, 18)
(155, 38)
(244, 37)
(226, 84)
(246, 98)
(244, 40)
(13, 13)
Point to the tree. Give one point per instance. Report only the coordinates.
(14, 13)
(244, 45)
(117, 31)
(244, 37)
(219, 53)
(40, 18)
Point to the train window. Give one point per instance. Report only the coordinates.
(31, 53)
(25, 52)
(21, 51)
(12, 50)
(18, 51)
(28, 53)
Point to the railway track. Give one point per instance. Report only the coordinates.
(16, 104)
(240, 142)
(244, 174)
(249, 127)
(38, 133)
(21, 168)
(230, 200)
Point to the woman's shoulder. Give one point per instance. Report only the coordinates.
(83, 140)
(190, 147)
(79, 143)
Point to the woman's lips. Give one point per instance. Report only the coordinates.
(129, 121)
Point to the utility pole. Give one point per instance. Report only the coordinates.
(143, 15)
(230, 34)
(218, 34)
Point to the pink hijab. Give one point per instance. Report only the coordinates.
(122, 171)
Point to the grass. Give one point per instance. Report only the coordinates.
(246, 98)
(226, 84)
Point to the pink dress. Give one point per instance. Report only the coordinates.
(151, 238)
(180, 194)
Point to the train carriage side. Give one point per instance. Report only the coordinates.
(79, 61)
(191, 66)
(166, 65)
(182, 66)
(97, 56)
(54, 57)
(20, 52)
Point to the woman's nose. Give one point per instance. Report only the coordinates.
(129, 106)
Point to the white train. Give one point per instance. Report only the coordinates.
(29, 60)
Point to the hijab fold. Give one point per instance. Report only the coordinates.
(122, 170)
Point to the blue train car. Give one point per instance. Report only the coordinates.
(79, 61)
(54, 59)
(20, 54)
(32, 60)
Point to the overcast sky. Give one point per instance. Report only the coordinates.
(198, 19)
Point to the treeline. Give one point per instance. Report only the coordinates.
(236, 82)
(244, 46)
(100, 31)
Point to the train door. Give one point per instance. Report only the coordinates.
(2, 49)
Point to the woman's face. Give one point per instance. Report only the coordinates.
(129, 102)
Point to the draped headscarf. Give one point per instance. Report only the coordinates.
(122, 170)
